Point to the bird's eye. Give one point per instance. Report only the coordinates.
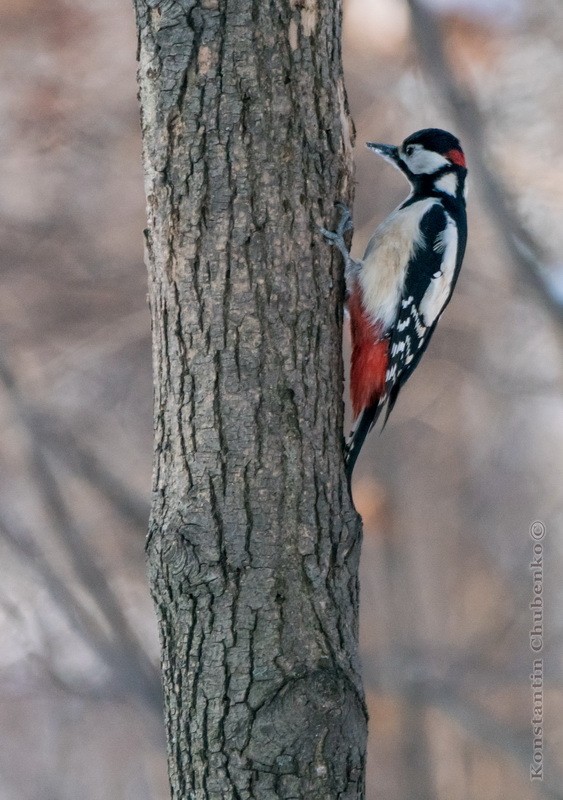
(409, 149)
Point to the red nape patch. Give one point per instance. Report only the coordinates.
(456, 157)
(370, 356)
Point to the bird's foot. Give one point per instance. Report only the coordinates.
(344, 224)
(336, 238)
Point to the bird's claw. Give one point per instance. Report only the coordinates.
(330, 236)
(345, 223)
(336, 238)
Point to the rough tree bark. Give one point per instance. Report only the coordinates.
(253, 546)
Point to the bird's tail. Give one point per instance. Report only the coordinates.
(363, 425)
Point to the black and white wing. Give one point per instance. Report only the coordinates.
(430, 279)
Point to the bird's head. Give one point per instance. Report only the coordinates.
(427, 157)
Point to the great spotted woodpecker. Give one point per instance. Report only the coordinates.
(398, 291)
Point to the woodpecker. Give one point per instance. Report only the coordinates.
(397, 292)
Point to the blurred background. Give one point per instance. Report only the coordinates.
(471, 457)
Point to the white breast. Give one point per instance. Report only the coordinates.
(386, 259)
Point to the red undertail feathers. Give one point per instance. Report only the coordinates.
(370, 356)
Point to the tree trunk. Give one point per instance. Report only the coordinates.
(254, 544)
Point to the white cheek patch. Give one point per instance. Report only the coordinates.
(424, 162)
(437, 294)
(447, 183)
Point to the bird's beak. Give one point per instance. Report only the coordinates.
(387, 151)
(391, 154)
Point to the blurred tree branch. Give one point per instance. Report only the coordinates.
(113, 638)
(424, 690)
(68, 448)
(103, 643)
(526, 252)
